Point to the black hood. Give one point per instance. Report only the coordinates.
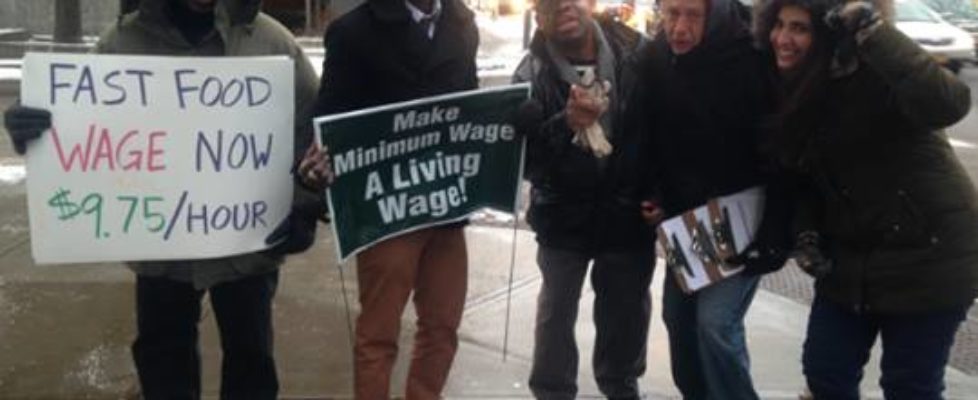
(726, 25)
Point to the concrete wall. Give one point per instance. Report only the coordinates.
(37, 16)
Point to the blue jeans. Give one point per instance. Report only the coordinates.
(915, 351)
(706, 338)
(622, 305)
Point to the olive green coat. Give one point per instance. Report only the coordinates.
(900, 215)
(241, 30)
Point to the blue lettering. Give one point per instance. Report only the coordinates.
(55, 85)
(202, 217)
(141, 75)
(215, 156)
(237, 162)
(226, 99)
(85, 83)
(210, 101)
(221, 217)
(181, 87)
(252, 81)
(258, 210)
(110, 82)
(261, 157)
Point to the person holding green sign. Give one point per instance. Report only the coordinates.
(588, 169)
(387, 51)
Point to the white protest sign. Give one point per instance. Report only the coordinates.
(697, 242)
(155, 158)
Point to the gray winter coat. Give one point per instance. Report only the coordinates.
(241, 30)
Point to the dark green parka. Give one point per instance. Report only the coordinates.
(899, 215)
(240, 30)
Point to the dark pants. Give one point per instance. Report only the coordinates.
(166, 349)
(622, 305)
(915, 351)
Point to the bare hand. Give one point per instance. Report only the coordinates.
(582, 110)
(315, 169)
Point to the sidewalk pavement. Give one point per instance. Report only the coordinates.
(775, 328)
(65, 330)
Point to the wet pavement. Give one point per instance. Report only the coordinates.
(65, 330)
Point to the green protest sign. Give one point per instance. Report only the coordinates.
(431, 161)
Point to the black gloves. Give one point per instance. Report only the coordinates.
(759, 259)
(851, 22)
(769, 250)
(295, 234)
(25, 124)
(528, 118)
(856, 19)
(809, 257)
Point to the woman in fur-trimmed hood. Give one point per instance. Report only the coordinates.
(891, 225)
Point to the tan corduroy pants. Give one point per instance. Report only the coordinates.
(432, 263)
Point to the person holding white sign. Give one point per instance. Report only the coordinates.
(387, 51)
(241, 288)
(708, 103)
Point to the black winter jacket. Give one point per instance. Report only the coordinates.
(706, 109)
(575, 203)
(376, 54)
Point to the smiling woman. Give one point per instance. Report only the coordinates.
(884, 230)
(791, 37)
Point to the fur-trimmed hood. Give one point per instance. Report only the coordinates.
(818, 8)
(843, 61)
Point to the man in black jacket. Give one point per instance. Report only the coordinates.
(386, 51)
(585, 206)
(707, 97)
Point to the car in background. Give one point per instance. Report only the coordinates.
(960, 13)
(950, 45)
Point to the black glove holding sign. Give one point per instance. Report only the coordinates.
(769, 250)
(24, 124)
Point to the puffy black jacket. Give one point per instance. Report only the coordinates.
(706, 109)
(575, 203)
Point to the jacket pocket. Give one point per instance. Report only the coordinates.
(905, 224)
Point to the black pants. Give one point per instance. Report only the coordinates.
(622, 306)
(166, 348)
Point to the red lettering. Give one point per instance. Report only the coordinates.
(153, 152)
(136, 156)
(127, 153)
(104, 150)
(76, 150)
